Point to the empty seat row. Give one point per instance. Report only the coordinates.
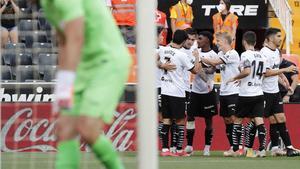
(14, 59)
(28, 73)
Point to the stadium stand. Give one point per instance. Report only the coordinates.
(27, 73)
(47, 59)
(6, 73)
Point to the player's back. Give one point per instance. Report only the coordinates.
(172, 82)
(100, 31)
(252, 84)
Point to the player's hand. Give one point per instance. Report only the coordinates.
(286, 99)
(290, 91)
(230, 80)
(291, 69)
(168, 66)
(196, 53)
(63, 91)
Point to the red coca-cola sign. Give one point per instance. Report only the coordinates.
(30, 127)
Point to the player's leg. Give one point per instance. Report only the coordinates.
(250, 131)
(236, 135)
(160, 123)
(166, 116)
(227, 119)
(91, 131)
(68, 147)
(178, 112)
(259, 122)
(208, 135)
(174, 136)
(190, 124)
(284, 134)
(96, 106)
(210, 110)
(268, 113)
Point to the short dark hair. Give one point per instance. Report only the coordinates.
(271, 32)
(190, 31)
(180, 36)
(227, 4)
(250, 37)
(226, 36)
(208, 35)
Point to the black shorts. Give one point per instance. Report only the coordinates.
(273, 104)
(250, 107)
(172, 107)
(187, 100)
(203, 105)
(159, 99)
(228, 105)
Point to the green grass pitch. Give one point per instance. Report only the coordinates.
(215, 161)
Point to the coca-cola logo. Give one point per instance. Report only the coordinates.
(24, 132)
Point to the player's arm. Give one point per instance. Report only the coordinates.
(272, 72)
(197, 66)
(73, 39)
(284, 81)
(210, 70)
(213, 62)
(294, 84)
(70, 45)
(165, 66)
(244, 73)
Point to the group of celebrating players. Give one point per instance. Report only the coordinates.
(249, 89)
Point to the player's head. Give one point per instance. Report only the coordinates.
(180, 36)
(226, 3)
(192, 36)
(249, 38)
(205, 39)
(273, 35)
(224, 41)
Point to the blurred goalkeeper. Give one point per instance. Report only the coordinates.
(93, 67)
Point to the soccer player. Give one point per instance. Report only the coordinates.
(229, 60)
(187, 48)
(251, 99)
(274, 105)
(203, 96)
(173, 90)
(90, 79)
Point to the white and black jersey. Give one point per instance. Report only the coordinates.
(172, 82)
(229, 69)
(187, 73)
(252, 84)
(199, 85)
(270, 84)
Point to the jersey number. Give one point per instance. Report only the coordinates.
(167, 59)
(259, 70)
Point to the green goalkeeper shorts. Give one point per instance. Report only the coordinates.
(98, 88)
